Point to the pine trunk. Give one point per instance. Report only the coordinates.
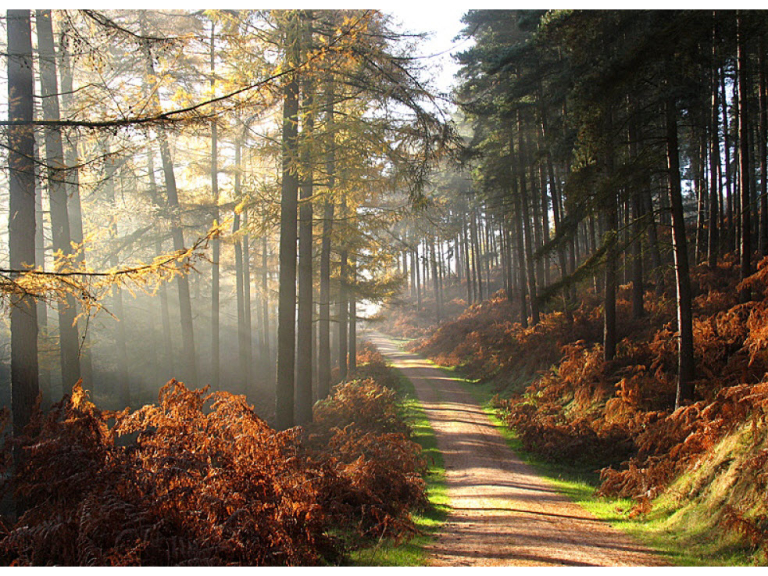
(57, 194)
(686, 368)
(189, 354)
(744, 176)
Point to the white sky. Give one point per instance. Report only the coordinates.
(444, 24)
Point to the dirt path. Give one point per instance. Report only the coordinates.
(503, 513)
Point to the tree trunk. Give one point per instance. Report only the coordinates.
(744, 176)
(215, 245)
(638, 213)
(57, 193)
(715, 220)
(72, 185)
(247, 322)
(686, 368)
(520, 254)
(242, 281)
(289, 191)
(324, 337)
(266, 355)
(435, 279)
(527, 227)
(164, 308)
(21, 219)
(304, 344)
(476, 271)
(418, 277)
(121, 347)
(185, 302)
(761, 149)
(611, 226)
(352, 317)
(729, 188)
(699, 161)
(465, 252)
(42, 305)
(609, 295)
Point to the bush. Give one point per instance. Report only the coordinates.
(201, 480)
(373, 471)
(197, 480)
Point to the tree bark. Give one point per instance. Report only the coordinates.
(42, 306)
(121, 347)
(324, 337)
(761, 149)
(215, 244)
(342, 305)
(353, 316)
(304, 343)
(21, 220)
(527, 227)
(686, 368)
(185, 302)
(611, 226)
(638, 214)
(289, 193)
(74, 207)
(266, 354)
(744, 176)
(518, 232)
(242, 280)
(715, 219)
(165, 313)
(57, 193)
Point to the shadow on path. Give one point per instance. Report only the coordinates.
(503, 513)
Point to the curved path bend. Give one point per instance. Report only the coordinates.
(502, 512)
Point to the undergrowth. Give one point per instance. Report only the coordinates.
(389, 552)
(199, 479)
(583, 413)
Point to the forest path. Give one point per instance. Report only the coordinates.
(502, 511)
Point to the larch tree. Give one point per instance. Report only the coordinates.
(57, 193)
(289, 194)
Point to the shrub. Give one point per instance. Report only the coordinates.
(199, 479)
(372, 470)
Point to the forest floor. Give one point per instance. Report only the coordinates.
(502, 511)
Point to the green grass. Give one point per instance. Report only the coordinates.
(388, 552)
(682, 530)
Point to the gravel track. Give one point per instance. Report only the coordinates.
(502, 512)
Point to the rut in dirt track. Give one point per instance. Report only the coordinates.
(502, 512)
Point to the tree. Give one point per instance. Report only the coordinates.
(289, 192)
(215, 243)
(685, 362)
(62, 241)
(305, 336)
(745, 247)
(185, 302)
(21, 222)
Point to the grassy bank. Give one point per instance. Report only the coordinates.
(388, 552)
(682, 529)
